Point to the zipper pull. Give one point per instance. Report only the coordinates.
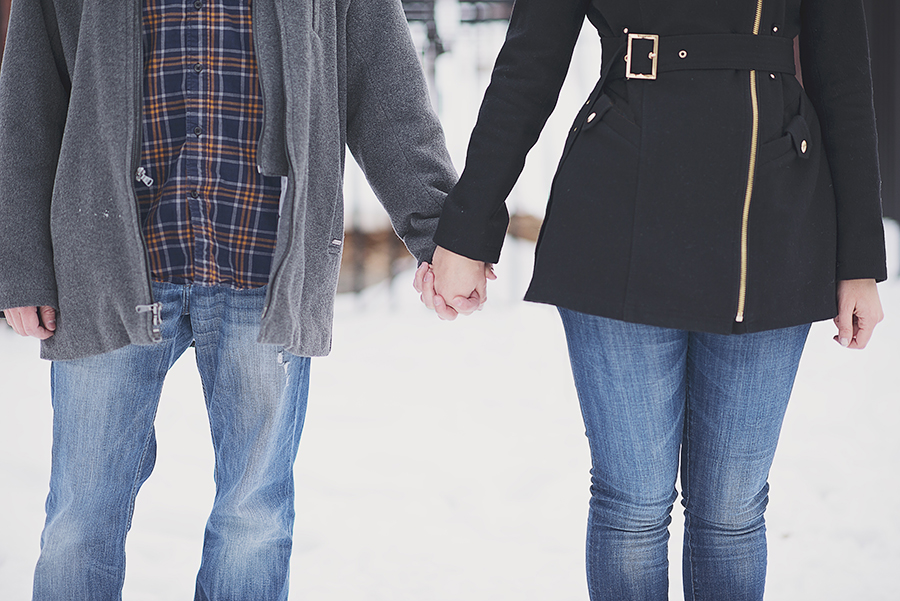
(155, 319)
(142, 177)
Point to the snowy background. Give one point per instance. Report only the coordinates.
(446, 461)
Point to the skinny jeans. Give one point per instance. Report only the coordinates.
(653, 398)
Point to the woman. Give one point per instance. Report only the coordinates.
(705, 211)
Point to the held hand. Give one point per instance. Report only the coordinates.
(31, 321)
(424, 285)
(454, 277)
(460, 281)
(859, 311)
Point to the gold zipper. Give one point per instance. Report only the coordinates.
(751, 175)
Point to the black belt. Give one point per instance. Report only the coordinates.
(645, 56)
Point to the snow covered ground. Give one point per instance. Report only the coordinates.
(447, 461)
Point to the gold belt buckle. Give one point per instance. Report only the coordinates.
(653, 56)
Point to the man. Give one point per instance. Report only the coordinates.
(170, 174)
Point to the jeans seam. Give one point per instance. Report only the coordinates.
(137, 477)
(212, 430)
(140, 466)
(686, 478)
(134, 488)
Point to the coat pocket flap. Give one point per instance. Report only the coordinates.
(799, 132)
(598, 111)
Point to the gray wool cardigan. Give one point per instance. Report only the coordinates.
(334, 73)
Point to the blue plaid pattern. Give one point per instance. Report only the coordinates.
(208, 216)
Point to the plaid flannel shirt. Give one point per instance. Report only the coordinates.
(208, 216)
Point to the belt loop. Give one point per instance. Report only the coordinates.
(186, 299)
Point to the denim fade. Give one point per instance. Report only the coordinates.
(104, 449)
(655, 397)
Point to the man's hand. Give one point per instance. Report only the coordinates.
(859, 311)
(31, 321)
(453, 284)
(424, 285)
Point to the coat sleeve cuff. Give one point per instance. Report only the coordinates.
(855, 271)
(36, 298)
(458, 234)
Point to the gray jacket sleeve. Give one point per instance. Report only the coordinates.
(34, 91)
(392, 129)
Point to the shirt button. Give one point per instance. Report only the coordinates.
(198, 67)
(198, 131)
(198, 4)
(195, 194)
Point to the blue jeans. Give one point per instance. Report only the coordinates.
(104, 448)
(651, 396)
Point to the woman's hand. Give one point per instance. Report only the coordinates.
(859, 311)
(453, 284)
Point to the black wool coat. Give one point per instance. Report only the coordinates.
(722, 196)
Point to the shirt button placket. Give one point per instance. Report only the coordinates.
(194, 46)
